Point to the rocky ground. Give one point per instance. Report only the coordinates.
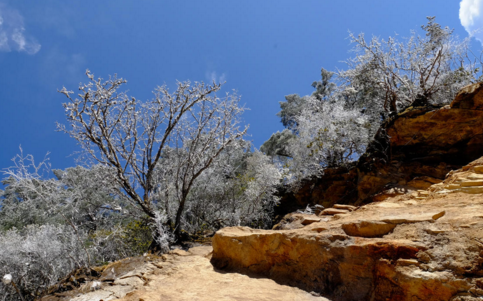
(424, 245)
(178, 276)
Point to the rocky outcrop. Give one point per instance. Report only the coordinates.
(411, 151)
(407, 247)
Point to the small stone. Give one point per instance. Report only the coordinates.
(310, 220)
(439, 215)
(7, 279)
(367, 228)
(406, 262)
(424, 257)
(95, 285)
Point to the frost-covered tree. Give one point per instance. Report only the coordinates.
(332, 126)
(329, 135)
(219, 197)
(389, 75)
(191, 126)
(278, 143)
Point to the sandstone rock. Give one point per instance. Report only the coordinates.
(337, 265)
(469, 98)
(333, 211)
(398, 249)
(345, 207)
(471, 183)
(453, 186)
(406, 262)
(479, 169)
(474, 176)
(368, 228)
(310, 220)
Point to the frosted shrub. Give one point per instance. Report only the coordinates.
(263, 177)
(243, 196)
(391, 74)
(161, 233)
(38, 256)
(329, 135)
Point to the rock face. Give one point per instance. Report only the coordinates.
(407, 247)
(179, 276)
(412, 151)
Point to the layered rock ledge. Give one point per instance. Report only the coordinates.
(404, 248)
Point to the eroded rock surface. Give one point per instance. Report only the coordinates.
(424, 246)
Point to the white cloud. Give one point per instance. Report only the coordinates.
(212, 76)
(12, 32)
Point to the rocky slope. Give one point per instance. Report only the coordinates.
(424, 245)
(178, 276)
(412, 151)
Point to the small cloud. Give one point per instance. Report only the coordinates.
(212, 76)
(12, 32)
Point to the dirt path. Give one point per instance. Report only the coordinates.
(180, 276)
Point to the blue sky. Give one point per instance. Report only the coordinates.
(263, 49)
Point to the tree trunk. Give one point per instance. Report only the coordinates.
(177, 224)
